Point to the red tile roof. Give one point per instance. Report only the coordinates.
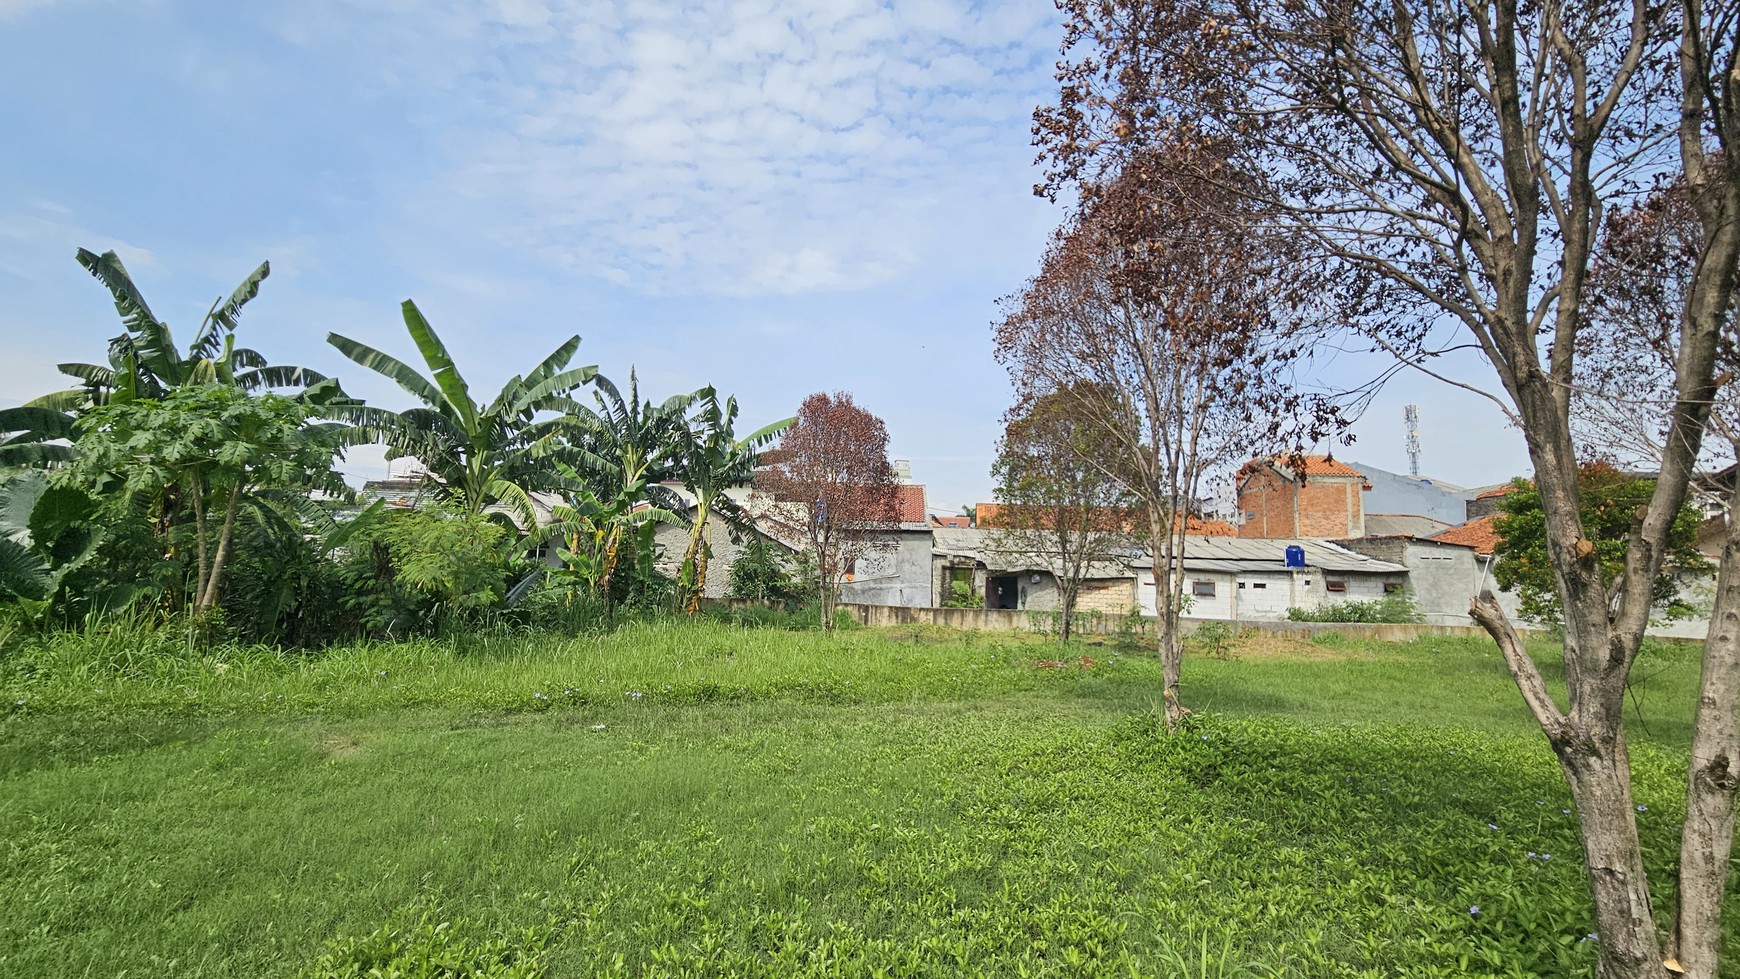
(991, 514)
(1312, 466)
(909, 503)
(1505, 490)
(956, 521)
(1480, 533)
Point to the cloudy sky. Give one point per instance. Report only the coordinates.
(775, 198)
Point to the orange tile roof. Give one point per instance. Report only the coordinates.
(1480, 533)
(959, 522)
(909, 503)
(1505, 490)
(1313, 465)
(990, 514)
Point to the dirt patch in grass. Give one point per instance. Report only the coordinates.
(341, 747)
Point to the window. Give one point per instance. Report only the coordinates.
(1330, 584)
(1259, 584)
(1392, 587)
(1202, 589)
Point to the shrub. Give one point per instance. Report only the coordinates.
(1398, 607)
(961, 595)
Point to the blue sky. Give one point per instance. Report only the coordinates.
(776, 198)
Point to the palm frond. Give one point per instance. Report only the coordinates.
(108, 269)
(446, 373)
(388, 367)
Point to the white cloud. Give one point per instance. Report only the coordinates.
(726, 148)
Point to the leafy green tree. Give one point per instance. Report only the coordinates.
(212, 446)
(145, 363)
(711, 460)
(763, 572)
(1609, 500)
(415, 570)
(478, 454)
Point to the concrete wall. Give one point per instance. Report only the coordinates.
(673, 541)
(898, 572)
(992, 620)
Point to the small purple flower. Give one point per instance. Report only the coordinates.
(1642, 808)
(1492, 826)
(1565, 811)
(1474, 910)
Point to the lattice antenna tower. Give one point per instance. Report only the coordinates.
(1411, 414)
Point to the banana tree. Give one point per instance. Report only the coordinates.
(711, 460)
(591, 529)
(626, 447)
(145, 363)
(479, 455)
(28, 436)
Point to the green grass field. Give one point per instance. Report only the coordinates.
(703, 800)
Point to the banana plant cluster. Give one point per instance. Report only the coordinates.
(172, 431)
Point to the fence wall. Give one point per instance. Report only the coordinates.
(1005, 620)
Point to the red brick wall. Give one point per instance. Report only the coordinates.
(1267, 501)
(1326, 506)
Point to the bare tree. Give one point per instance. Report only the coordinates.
(1452, 161)
(830, 475)
(1161, 314)
(1060, 505)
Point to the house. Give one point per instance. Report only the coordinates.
(1242, 578)
(1445, 572)
(1405, 499)
(897, 571)
(1016, 578)
(1308, 496)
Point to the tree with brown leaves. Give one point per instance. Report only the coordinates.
(833, 486)
(1162, 314)
(1451, 161)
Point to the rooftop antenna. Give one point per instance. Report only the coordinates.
(1411, 414)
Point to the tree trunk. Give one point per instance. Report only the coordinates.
(199, 531)
(1066, 610)
(695, 559)
(1707, 839)
(209, 598)
(1600, 779)
(607, 570)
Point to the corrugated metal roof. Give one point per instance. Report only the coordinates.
(980, 544)
(1270, 554)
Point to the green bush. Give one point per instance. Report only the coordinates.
(961, 595)
(1398, 607)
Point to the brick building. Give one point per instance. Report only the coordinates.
(1320, 499)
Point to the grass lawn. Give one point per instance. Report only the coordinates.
(702, 800)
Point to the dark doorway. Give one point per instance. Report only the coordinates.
(1003, 591)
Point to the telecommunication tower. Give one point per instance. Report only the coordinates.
(1412, 416)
